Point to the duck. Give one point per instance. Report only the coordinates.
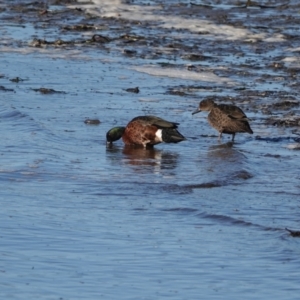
(145, 131)
(225, 118)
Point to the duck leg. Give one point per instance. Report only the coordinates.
(220, 135)
(233, 135)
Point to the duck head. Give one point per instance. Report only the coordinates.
(114, 134)
(204, 105)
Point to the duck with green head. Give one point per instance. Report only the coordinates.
(145, 131)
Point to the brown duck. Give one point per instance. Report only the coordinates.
(145, 131)
(225, 118)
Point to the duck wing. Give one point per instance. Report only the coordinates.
(156, 121)
(233, 112)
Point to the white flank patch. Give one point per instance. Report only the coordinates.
(159, 134)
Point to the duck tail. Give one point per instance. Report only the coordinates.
(171, 135)
(249, 130)
(245, 127)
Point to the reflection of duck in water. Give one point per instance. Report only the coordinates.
(151, 157)
(224, 154)
(145, 131)
(143, 160)
(150, 160)
(228, 119)
(141, 157)
(227, 164)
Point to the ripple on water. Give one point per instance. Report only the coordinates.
(13, 114)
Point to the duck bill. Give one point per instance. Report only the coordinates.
(196, 111)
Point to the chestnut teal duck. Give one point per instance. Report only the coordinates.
(225, 118)
(145, 131)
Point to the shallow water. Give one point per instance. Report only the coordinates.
(200, 218)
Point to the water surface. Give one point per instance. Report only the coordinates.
(201, 218)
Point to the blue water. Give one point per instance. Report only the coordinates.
(198, 219)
